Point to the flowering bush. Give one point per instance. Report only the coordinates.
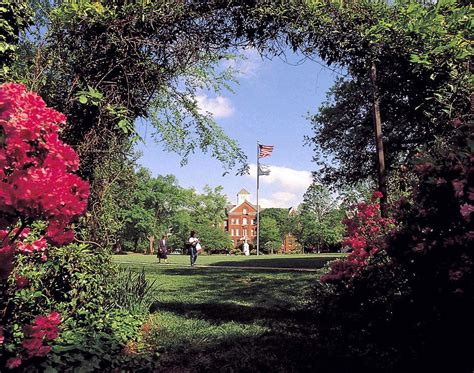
(36, 169)
(366, 236)
(42, 329)
(439, 230)
(37, 182)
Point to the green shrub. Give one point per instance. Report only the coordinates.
(90, 349)
(133, 292)
(409, 308)
(101, 308)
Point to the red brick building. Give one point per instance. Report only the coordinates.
(241, 223)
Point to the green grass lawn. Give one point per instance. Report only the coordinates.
(304, 261)
(223, 318)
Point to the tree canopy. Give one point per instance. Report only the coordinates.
(318, 223)
(270, 235)
(420, 51)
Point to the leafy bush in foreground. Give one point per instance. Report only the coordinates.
(37, 182)
(57, 300)
(409, 308)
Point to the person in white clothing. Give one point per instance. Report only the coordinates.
(193, 243)
(246, 249)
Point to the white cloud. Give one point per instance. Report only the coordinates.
(246, 64)
(286, 178)
(219, 107)
(288, 185)
(280, 199)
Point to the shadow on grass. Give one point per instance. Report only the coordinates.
(224, 312)
(254, 287)
(285, 339)
(310, 263)
(271, 352)
(207, 271)
(286, 335)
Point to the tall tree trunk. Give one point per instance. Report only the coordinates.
(378, 139)
(151, 238)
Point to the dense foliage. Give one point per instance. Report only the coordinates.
(61, 305)
(283, 217)
(402, 300)
(15, 16)
(416, 286)
(148, 207)
(318, 222)
(420, 50)
(105, 65)
(270, 235)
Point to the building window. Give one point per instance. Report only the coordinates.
(244, 232)
(252, 232)
(244, 211)
(232, 232)
(232, 221)
(252, 221)
(237, 221)
(237, 231)
(244, 221)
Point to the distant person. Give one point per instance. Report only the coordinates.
(193, 247)
(246, 249)
(162, 250)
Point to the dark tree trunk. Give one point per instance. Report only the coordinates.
(382, 182)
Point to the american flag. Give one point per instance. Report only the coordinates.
(265, 151)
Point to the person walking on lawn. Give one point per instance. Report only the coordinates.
(193, 243)
(162, 250)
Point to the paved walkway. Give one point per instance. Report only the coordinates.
(225, 267)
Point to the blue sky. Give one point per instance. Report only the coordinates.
(270, 104)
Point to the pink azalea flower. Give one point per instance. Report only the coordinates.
(13, 362)
(466, 211)
(458, 188)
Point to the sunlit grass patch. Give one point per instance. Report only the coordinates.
(306, 261)
(170, 331)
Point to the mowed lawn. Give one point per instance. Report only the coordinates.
(304, 261)
(231, 313)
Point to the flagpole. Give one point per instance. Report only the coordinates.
(258, 206)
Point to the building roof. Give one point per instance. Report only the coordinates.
(243, 191)
(243, 203)
(229, 207)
